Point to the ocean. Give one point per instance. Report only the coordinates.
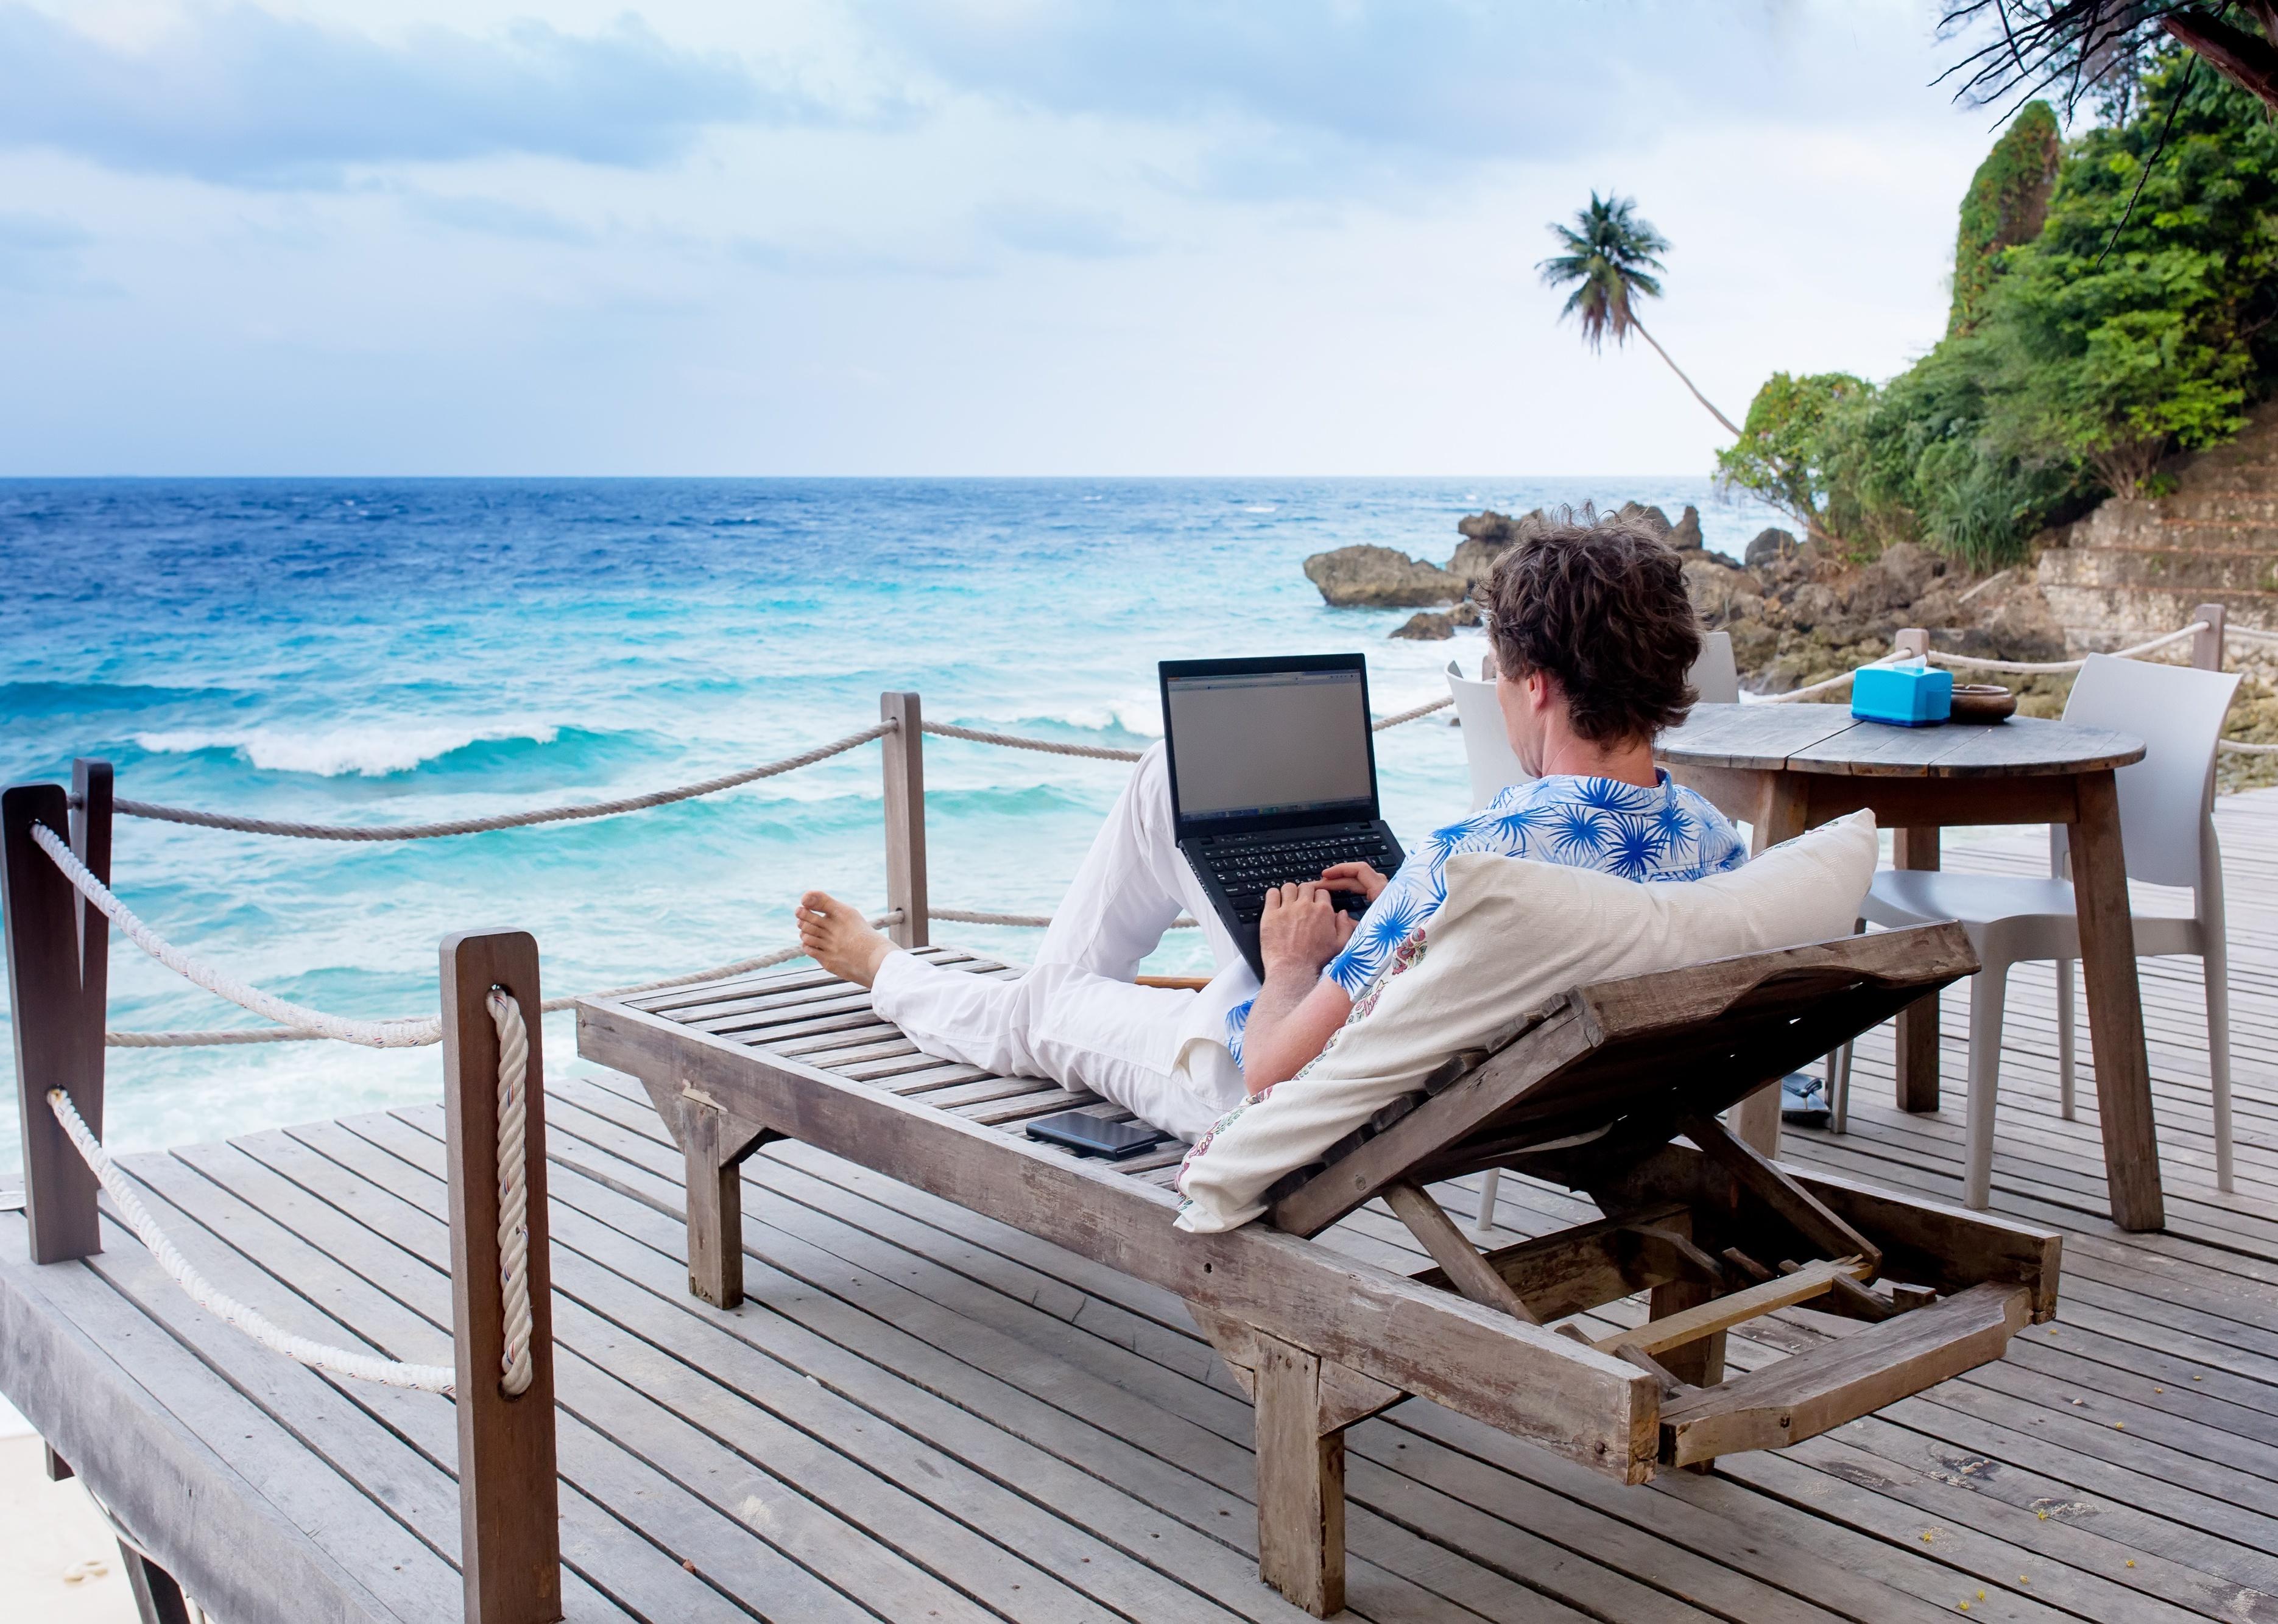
(401, 651)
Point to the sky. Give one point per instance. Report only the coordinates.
(942, 237)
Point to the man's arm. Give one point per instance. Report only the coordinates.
(1300, 1009)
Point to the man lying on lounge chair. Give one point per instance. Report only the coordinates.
(1594, 637)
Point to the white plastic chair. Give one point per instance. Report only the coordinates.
(2166, 825)
(1715, 674)
(1487, 747)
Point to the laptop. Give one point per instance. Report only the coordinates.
(1272, 778)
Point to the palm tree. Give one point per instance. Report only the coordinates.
(1608, 263)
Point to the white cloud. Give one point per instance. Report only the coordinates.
(1309, 249)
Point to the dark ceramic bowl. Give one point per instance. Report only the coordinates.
(1982, 702)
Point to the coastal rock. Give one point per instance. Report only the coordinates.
(1381, 578)
(1486, 536)
(1468, 613)
(1655, 520)
(1771, 543)
(1685, 534)
(1425, 626)
(1721, 591)
(1496, 530)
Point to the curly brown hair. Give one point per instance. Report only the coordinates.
(1599, 603)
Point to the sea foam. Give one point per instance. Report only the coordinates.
(364, 749)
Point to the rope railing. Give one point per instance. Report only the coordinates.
(500, 820)
(1398, 718)
(297, 1021)
(252, 1321)
(1014, 741)
(2052, 667)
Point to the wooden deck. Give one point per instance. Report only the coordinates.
(921, 1414)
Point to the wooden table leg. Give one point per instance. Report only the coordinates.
(1785, 807)
(1918, 1035)
(2115, 1008)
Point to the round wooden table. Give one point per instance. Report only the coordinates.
(1785, 768)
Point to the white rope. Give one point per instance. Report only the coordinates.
(1030, 921)
(1440, 703)
(2240, 747)
(1013, 741)
(514, 1190)
(339, 1362)
(373, 1034)
(502, 821)
(1794, 694)
(301, 1034)
(2051, 667)
(2251, 634)
(1102, 752)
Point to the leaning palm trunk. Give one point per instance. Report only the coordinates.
(1731, 427)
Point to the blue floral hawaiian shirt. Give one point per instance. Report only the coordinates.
(1664, 833)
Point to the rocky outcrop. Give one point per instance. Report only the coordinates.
(1803, 614)
(1366, 577)
(1771, 543)
(1796, 613)
(1426, 626)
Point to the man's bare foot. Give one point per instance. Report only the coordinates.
(839, 938)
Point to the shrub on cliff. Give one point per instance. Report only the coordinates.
(2132, 326)
(2006, 205)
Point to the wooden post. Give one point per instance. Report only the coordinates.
(1785, 813)
(2206, 648)
(57, 1017)
(510, 1522)
(1301, 1482)
(906, 848)
(1912, 641)
(1917, 1086)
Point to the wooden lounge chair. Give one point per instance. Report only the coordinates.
(1594, 1095)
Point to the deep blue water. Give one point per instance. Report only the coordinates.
(409, 650)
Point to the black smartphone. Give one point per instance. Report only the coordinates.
(1096, 1136)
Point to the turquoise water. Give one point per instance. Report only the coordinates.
(406, 650)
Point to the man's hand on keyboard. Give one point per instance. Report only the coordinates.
(1301, 928)
(1353, 877)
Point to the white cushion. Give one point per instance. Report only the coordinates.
(1511, 937)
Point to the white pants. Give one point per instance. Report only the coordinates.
(1076, 1017)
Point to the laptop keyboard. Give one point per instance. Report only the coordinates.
(1248, 867)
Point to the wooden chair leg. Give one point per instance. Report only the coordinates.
(1700, 1363)
(1988, 993)
(1301, 1482)
(713, 1147)
(158, 1599)
(2068, 1039)
(1839, 1090)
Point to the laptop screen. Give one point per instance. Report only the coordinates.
(1269, 743)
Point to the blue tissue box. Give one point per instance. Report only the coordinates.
(1905, 695)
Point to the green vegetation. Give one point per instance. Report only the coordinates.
(2006, 205)
(2079, 357)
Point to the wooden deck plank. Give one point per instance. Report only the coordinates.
(325, 1159)
(1233, 1430)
